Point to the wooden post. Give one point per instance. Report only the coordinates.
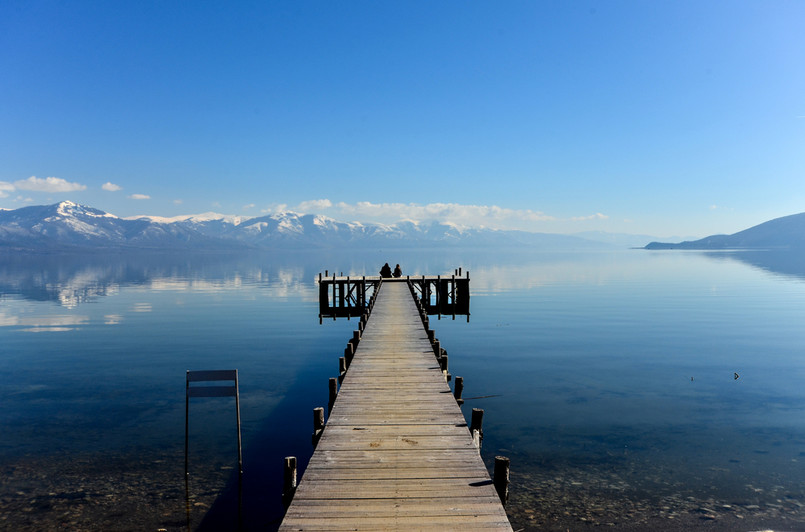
(318, 424)
(437, 348)
(356, 337)
(349, 353)
(502, 478)
(443, 365)
(453, 295)
(431, 335)
(289, 480)
(439, 295)
(342, 365)
(477, 419)
(476, 426)
(458, 390)
(425, 293)
(334, 392)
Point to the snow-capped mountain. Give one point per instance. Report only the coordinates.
(67, 225)
(208, 223)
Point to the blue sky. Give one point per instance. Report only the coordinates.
(663, 118)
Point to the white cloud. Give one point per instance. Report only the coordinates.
(488, 216)
(314, 206)
(249, 206)
(111, 187)
(178, 202)
(139, 196)
(280, 207)
(596, 216)
(48, 184)
(5, 188)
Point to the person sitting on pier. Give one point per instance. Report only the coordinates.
(397, 271)
(385, 271)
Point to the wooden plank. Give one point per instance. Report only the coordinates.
(396, 452)
(436, 506)
(398, 522)
(396, 430)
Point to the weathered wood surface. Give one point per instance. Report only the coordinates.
(396, 452)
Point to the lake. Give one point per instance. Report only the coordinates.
(631, 389)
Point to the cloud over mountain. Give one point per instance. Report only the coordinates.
(48, 184)
(461, 215)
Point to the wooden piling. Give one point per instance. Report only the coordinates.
(458, 389)
(342, 365)
(501, 479)
(289, 480)
(333, 391)
(476, 426)
(318, 424)
(349, 353)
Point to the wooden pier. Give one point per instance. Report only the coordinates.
(396, 452)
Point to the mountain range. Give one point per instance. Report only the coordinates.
(783, 233)
(70, 226)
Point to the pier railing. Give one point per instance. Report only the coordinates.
(350, 296)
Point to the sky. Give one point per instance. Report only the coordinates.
(682, 117)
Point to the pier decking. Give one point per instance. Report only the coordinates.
(396, 452)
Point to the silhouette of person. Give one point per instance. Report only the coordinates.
(397, 271)
(385, 271)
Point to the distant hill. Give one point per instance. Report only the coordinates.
(787, 232)
(622, 240)
(70, 226)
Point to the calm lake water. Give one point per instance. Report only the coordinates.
(631, 389)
